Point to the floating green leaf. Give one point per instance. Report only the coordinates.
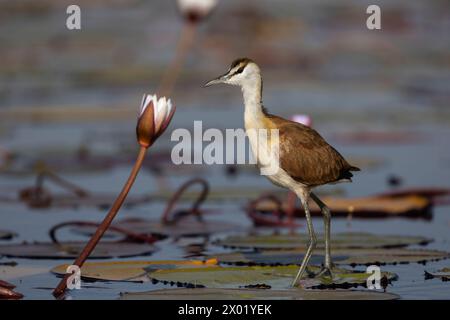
(367, 256)
(71, 250)
(134, 271)
(340, 240)
(279, 277)
(258, 294)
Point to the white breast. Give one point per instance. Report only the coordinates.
(269, 158)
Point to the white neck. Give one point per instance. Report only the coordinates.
(253, 115)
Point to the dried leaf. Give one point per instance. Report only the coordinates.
(134, 271)
(365, 207)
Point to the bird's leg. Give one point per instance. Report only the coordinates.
(326, 270)
(312, 240)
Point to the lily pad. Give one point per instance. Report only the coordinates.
(10, 273)
(364, 207)
(279, 277)
(256, 294)
(71, 250)
(353, 257)
(340, 240)
(443, 274)
(188, 226)
(132, 271)
(6, 235)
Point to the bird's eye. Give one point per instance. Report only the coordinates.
(240, 70)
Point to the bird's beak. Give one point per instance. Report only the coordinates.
(221, 79)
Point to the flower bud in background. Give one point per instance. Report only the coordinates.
(154, 117)
(195, 10)
(303, 119)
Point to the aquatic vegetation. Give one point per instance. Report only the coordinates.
(174, 223)
(343, 256)
(7, 292)
(340, 240)
(258, 294)
(154, 117)
(134, 270)
(443, 274)
(272, 211)
(277, 277)
(7, 235)
(72, 249)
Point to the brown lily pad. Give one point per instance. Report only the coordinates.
(9, 294)
(353, 257)
(364, 207)
(341, 240)
(278, 277)
(256, 294)
(133, 271)
(71, 250)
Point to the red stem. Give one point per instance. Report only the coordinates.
(184, 45)
(90, 246)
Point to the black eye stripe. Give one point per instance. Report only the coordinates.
(239, 70)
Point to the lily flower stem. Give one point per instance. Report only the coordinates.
(184, 45)
(90, 246)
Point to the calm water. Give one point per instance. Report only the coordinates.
(419, 164)
(317, 58)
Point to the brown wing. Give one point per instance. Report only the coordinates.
(307, 157)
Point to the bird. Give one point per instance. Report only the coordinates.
(306, 160)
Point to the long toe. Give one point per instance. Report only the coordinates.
(309, 273)
(325, 272)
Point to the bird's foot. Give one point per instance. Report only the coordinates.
(309, 273)
(326, 271)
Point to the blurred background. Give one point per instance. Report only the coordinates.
(69, 98)
(66, 89)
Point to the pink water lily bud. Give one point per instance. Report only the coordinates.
(154, 117)
(302, 118)
(195, 10)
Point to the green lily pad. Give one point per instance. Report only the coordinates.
(279, 277)
(353, 257)
(443, 274)
(340, 240)
(6, 235)
(71, 250)
(133, 271)
(256, 294)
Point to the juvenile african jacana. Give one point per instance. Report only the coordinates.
(306, 160)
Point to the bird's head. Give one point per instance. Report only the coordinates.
(242, 71)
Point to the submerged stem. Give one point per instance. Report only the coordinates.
(90, 246)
